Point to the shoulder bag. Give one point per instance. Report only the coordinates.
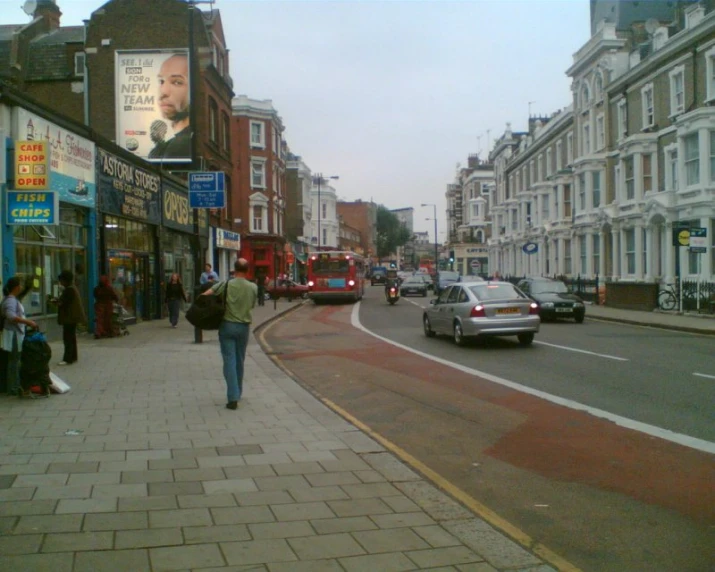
(206, 312)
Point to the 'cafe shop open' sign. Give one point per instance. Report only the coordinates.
(31, 166)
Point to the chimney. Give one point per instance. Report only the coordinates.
(50, 12)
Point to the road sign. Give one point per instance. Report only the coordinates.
(698, 240)
(207, 190)
(290, 257)
(475, 264)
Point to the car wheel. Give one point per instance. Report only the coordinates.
(429, 332)
(526, 339)
(579, 318)
(458, 334)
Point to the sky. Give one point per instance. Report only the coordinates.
(392, 95)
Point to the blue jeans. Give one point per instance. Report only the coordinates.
(233, 337)
(174, 305)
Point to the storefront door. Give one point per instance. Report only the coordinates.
(143, 293)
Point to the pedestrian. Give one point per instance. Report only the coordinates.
(208, 278)
(70, 314)
(104, 299)
(241, 296)
(174, 295)
(261, 279)
(14, 322)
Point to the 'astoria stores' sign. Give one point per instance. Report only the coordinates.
(127, 190)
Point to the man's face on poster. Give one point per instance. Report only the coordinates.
(174, 88)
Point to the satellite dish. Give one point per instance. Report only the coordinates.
(29, 7)
(651, 25)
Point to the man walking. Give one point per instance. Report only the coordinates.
(241, 296)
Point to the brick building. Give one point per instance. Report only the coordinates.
(362, 216)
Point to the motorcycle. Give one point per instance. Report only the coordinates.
(393, 295)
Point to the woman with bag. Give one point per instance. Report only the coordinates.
(174, 295)
(13, 330)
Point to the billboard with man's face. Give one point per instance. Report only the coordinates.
(153, 99)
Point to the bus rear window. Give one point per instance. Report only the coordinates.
(330, 266)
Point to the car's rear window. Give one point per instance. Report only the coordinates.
(491, 291)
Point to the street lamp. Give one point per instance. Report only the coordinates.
(320, 177)
(436, 253)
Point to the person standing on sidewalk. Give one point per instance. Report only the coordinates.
(208, 278)
(70, 313)
(13, 330)
(241, 295)
(174, 295)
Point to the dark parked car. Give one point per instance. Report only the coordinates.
(286, 289)
(413, 285)
(554, 299)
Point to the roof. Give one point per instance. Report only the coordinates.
(63, 35)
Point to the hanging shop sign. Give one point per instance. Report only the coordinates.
(31, 166)
(530, 248)
(127, 190)
(227, 239)
(176, 212)
(42, 208)
(71, 157)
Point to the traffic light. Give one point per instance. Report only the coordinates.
(451, 255)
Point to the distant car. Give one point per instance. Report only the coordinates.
(378, 276)
(286, 289)
(427, 279)
(554, 299)
(445, 278)
(482, 309)
(414, 285)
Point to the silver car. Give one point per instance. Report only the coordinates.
(477, 309)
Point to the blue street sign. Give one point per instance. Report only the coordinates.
(207, 190)
(530, 248)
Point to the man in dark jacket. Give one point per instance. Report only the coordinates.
(69, 313)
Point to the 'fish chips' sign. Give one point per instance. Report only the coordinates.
(31, 166)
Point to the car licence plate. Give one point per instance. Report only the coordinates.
(508, 311)
(564, 310)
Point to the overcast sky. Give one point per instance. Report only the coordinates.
(391, 95)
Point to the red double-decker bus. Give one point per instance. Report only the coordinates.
(336, 275)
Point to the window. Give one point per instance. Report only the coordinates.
(324, 210)
(213, 120)
(258, 175)
(540, 168)
(617, 180)
(582, 254)
(671, 158)
(582, 192)
(622, 118)
(600, 132)
(569, 148)
(567, 201)
(630, 246)
(532, 177)
(598, 88)
(596, 253)
(628, 166)
(257, 218)
(567, 257)
(712, 156)
(544, 208)
(647, 168)
(648, 110)
(585, 95)
(559, 155)
(710, 75)
(549, 164)
(79, 64)
(596, 188)
(586, 143)
(257, 135)
(325, 236)
(225, 132)
(677, 90)
(692, 159)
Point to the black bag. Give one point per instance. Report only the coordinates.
(206, 312)
(35, 361)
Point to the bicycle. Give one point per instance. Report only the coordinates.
(668, 298)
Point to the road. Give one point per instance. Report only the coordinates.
(602, 496)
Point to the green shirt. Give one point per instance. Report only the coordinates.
(240, 301)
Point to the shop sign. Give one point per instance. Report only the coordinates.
(228, 239)
(31, 166)
(71, 157)
(476, 250)
(698, 240)
(176, 209)
(127, 190)
(33, 207)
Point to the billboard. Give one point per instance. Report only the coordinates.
(152, 94)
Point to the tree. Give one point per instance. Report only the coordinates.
(391, 233)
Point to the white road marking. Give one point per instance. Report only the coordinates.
(704, 375)
(652, 430)
(567, 348)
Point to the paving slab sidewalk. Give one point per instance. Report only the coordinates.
(141, 467)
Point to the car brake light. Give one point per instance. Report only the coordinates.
(478, 312)
(533, 308)
(351, 283)
(311, 283)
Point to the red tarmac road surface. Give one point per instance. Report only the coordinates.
(602, 496)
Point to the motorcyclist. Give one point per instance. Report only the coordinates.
(391, 281)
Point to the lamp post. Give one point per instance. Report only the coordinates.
(436, 252)
(319, 177)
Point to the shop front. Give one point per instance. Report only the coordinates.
(130, 209)
(178, 238)
(37, 249)
(264, 254)
(228, 245)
